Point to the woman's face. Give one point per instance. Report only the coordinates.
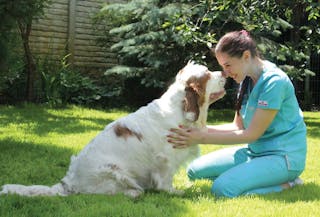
(233, 67)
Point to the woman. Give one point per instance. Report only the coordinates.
(267, 118)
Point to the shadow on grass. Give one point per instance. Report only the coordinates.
(27, 163)
(42, 121)
(307, 192)
(92, 206)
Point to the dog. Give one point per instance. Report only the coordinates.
(132, 154)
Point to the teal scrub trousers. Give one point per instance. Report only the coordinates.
(234, 172)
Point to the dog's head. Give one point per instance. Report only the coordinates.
(199, 83)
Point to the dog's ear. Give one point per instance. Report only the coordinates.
(190, 104)
(195, 96)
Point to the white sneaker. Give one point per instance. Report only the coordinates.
(295, 182)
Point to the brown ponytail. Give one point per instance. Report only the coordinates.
(241, 92)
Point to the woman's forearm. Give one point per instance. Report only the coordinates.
(227, 137)
(230, 127)
(223, 128)
(260, 122)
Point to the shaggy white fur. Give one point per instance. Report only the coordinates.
(132, 153)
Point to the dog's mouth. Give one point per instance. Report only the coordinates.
(215, 96)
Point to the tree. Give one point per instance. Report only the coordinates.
(150, 48)
(19, 14)
(157, 37)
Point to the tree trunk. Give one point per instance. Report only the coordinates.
(30, 66)
(296, 22)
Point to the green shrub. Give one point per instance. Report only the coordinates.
(61, 84)
(13, 79)
(156, 38)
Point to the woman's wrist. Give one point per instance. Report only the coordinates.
(204, 134)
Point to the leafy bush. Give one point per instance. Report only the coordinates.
(16, 18)
(156, 38)
(13, 79)
(63, 85)
(149, 48)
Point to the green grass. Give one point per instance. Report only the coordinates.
(36, 143)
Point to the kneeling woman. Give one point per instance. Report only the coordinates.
(268, 119)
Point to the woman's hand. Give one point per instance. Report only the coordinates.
(184, 137)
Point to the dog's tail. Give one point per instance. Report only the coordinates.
(34, 190)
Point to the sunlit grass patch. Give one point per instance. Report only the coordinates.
(36, 143)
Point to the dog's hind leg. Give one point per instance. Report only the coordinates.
(123, 182)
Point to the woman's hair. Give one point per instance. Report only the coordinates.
(234, 44)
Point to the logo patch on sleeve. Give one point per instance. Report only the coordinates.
(262, 103)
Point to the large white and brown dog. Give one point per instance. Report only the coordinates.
(132, 153)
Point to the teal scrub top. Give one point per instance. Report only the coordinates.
(286, 134)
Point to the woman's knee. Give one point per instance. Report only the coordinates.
(191, 173)
(225, 188)
(194, 172)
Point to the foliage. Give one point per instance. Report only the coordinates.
(149, 49)
(288, 32)
(18, 15)
(36, 143)
(156, 38)
(62, 85)
(12, 82)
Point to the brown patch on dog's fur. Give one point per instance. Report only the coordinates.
(125, 132)
(199, 85)
(190, 102)
(195, 94)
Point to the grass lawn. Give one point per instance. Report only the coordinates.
(36, 143)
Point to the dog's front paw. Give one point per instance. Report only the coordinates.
(133, 193)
